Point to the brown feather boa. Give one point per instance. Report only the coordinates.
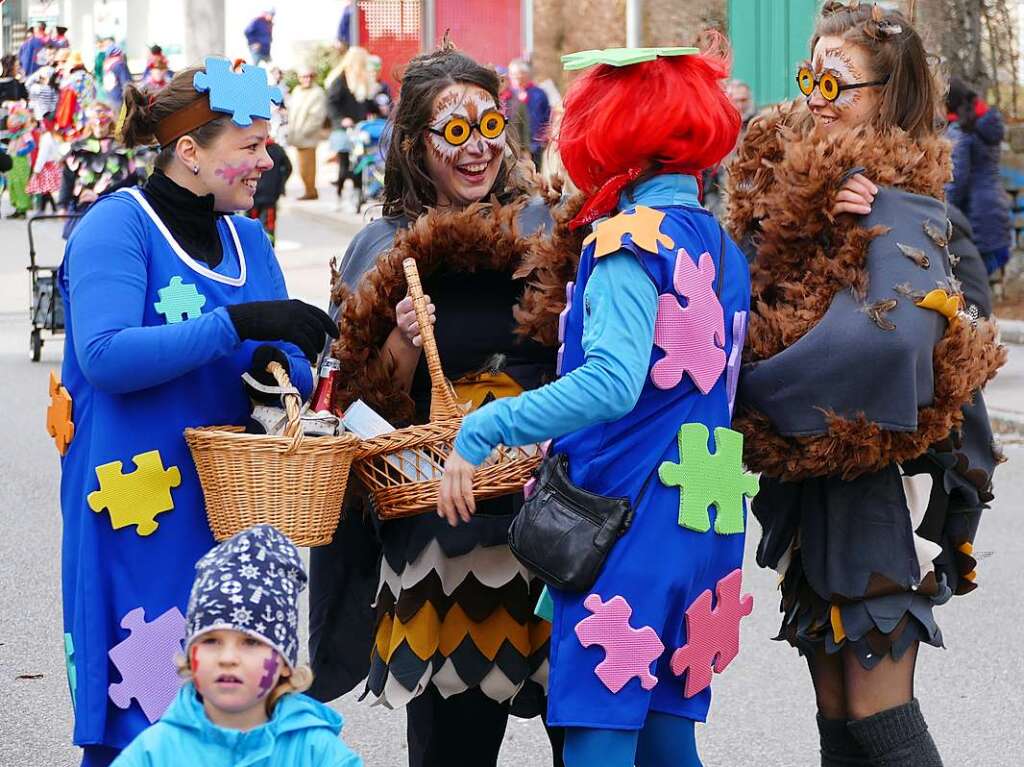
(483, 236)
(782, 187)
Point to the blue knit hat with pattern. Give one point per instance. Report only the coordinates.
(250, 583)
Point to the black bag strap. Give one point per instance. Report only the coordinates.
(721, 258)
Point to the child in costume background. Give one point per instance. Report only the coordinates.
(271, 189)
(47, 169)
(21, 148)
(641, 410)
(169, 298)
(243, 701)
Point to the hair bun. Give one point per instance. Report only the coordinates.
(136, 123)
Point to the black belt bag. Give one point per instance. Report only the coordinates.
(564, 533)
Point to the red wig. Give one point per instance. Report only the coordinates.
(667, 115)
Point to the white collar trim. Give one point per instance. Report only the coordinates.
(190, 262)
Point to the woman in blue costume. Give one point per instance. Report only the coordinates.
(169, 300)
(650, 345)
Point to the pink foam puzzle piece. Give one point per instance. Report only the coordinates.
(712, 635)
(147, 661)
(563, 319)
(692, 337)
(732, 375)
(629, 652)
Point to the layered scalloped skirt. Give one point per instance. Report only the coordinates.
(455, 610)
(863, 563)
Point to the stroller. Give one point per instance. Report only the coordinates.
(46, 308)
(368, 159)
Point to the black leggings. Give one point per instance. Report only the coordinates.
(345, 171)
(465, 729)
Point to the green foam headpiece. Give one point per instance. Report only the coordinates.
(620, 57)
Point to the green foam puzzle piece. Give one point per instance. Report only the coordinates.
(69, 660)
(179, 301)
(705, 479)
(620, 57)
(135, 498)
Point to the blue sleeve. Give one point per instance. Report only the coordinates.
(105, 269)
(957, 190)
(618, 334)
(299, 369)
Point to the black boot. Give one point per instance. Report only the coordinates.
(897, 737)
(838, 747)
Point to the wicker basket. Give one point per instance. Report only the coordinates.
(295, 483)
(401, 468)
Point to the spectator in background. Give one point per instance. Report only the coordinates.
(158, 73)
(259, 35)
(350, 92)
(28, 54)
(374, 65)
(522, 91)
(60, 40)
(270, 189)
(307, 112)
(345, 26)
(742, 98)
(42, 92)
(11, 87)
(103, 44)
(977, 132)
(77, 93)
(116, 76)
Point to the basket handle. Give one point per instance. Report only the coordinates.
(292, 405)
(442, 400)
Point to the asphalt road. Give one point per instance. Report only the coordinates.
(763, 712)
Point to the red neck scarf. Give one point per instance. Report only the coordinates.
(605, 199)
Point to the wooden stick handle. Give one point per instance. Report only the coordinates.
(292, 404)
(442, 404)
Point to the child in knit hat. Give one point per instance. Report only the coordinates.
(243, 703)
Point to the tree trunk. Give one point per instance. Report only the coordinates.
(205, 31)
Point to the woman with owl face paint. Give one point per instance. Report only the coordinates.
(873, 445)
(447, 597)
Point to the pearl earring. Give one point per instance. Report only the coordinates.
(195, 170)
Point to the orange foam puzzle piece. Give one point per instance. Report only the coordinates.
(643, 225)
(58, 415)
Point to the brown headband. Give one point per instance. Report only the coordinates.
(185, 120)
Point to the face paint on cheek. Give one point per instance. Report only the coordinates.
(270, 666)
(231, 173)
(838, 62)
(194, 665)
(442, 150)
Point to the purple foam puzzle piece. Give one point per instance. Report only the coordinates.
(712, 636)
(732, 375)
(692, 337)
(146, 660)
(563, 319)
(629, 652)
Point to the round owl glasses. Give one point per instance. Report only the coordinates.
(828, 84)
(458, 129)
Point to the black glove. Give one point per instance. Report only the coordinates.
(261, 357)
(292, 321)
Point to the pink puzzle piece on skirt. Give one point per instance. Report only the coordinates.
(628, 652)
(692, 337)
(712, 636)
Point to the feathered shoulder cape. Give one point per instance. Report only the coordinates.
(513, 238)
(858, 354)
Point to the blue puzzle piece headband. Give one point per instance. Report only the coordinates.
(244, 95)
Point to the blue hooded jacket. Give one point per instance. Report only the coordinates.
(301, 733)
(977, 188)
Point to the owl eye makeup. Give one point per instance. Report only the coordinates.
(836, 77)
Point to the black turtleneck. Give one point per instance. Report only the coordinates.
(191, 219)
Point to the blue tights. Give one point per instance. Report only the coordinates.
(664, 741)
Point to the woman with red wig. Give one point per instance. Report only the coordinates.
(640, 415)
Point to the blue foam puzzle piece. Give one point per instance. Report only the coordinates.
(244, 95)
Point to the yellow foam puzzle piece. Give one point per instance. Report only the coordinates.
(58, 415)
(643, 225)
(135, 498)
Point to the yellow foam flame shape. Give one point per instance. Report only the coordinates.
(940, 301)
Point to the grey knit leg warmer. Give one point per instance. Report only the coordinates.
(838, 746)
(897, 737)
